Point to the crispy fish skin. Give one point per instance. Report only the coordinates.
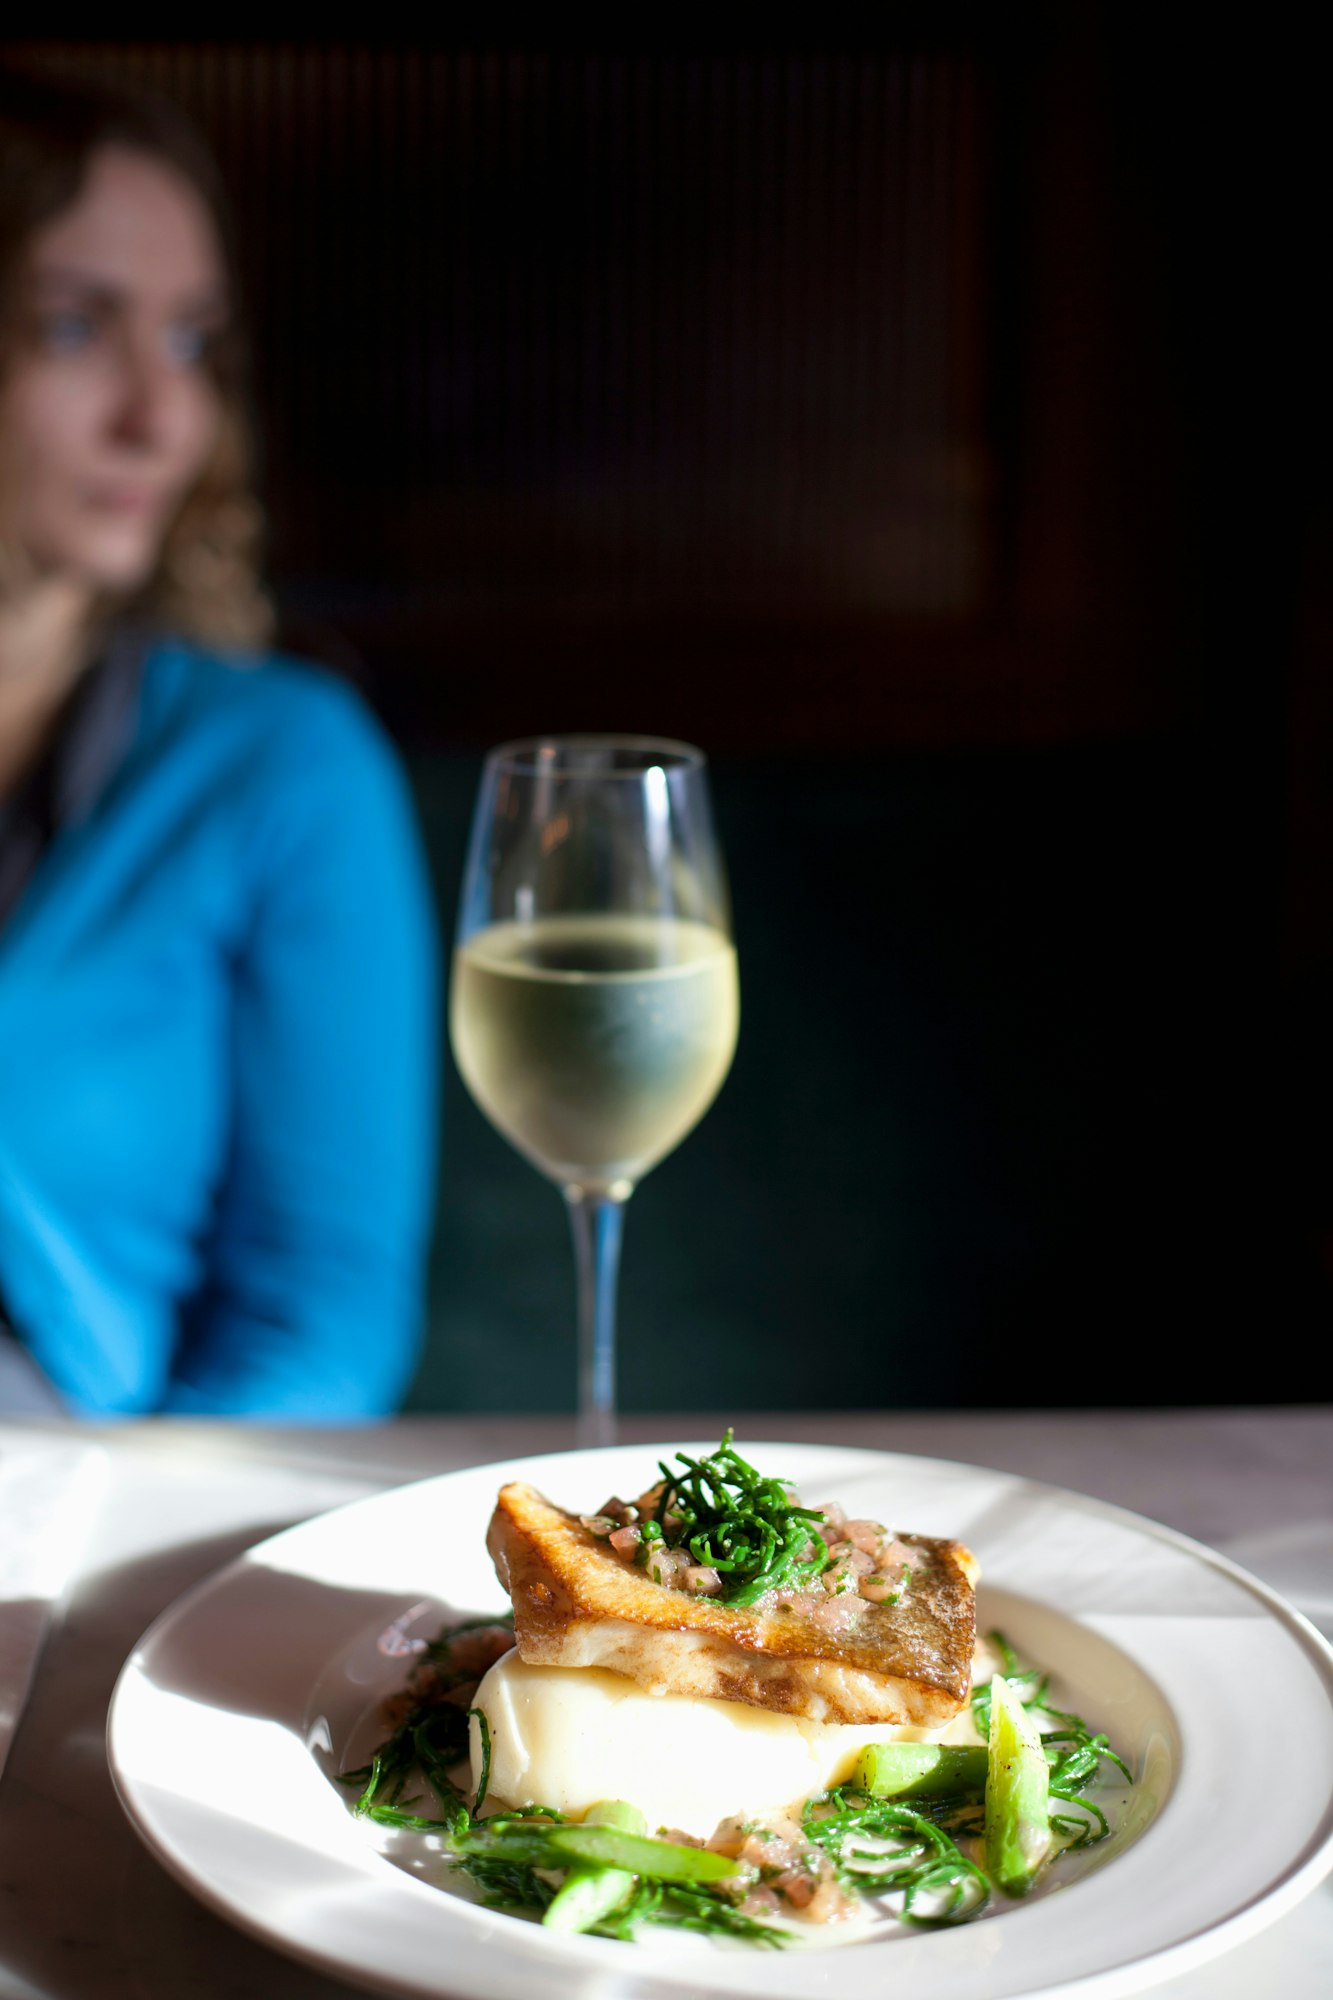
(577, 1604)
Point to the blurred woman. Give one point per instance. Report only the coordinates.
(217, 959)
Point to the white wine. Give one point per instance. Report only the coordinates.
(595, 1043)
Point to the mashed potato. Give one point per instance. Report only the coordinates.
(570, 1736)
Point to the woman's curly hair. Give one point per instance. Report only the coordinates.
(206, 584)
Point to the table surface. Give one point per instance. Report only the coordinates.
(87, 1914)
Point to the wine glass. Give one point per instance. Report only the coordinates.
(594, 1001)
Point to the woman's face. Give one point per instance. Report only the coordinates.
(108, 410)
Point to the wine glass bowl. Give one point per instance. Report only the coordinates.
(594, 1002)
(595, 1043)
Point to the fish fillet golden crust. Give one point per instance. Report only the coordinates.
(578, 1604)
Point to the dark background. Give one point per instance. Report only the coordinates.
(930, 422)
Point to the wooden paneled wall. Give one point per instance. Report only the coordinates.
(780, 398)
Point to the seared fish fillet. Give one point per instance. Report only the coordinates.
(578, 1604)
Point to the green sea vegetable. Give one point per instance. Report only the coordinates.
(739, 1522)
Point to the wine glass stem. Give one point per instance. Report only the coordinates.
(596, 1221)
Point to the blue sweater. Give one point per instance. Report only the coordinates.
(217, 1062)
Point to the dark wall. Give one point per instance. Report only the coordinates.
(929, 423)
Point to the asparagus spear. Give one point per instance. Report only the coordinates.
(590, 1890)
(1018, 1827)
(921, 1770)
(663, 1860)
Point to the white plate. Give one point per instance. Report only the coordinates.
(241, 1700)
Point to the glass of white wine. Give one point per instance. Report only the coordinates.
(594, 1001)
